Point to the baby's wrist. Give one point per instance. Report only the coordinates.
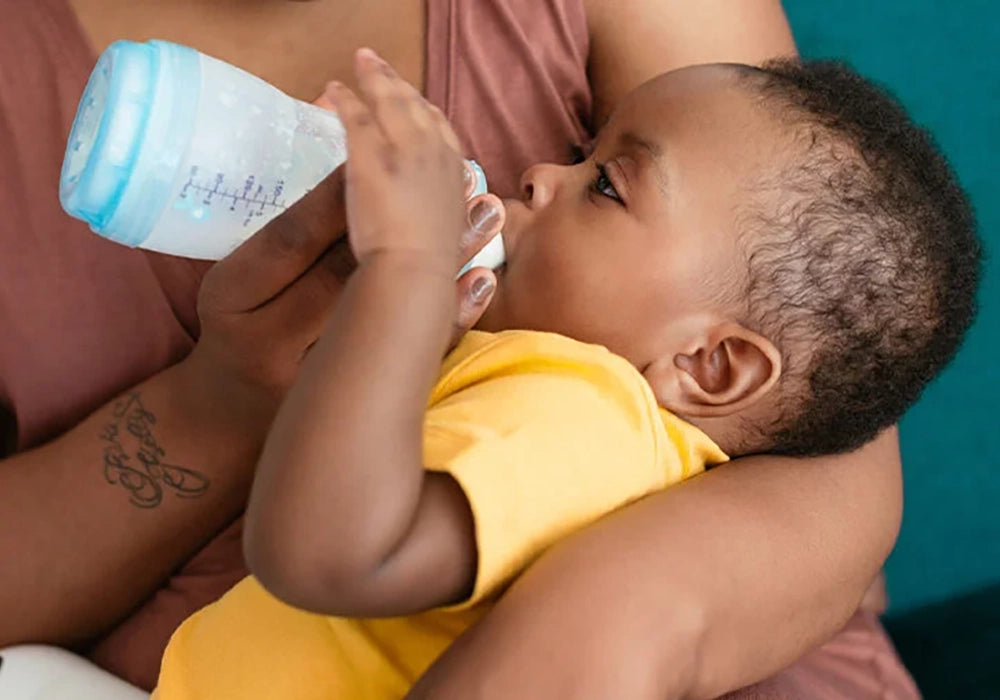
(413, 264)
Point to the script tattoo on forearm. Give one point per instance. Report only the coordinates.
(134, 460)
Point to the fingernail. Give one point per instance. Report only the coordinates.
(483, 215)
(481, 290)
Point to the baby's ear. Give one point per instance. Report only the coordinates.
(719, 372)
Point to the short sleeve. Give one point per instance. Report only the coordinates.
(542, 448)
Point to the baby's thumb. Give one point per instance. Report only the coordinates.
(324, 102)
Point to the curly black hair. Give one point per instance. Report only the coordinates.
(865, 253)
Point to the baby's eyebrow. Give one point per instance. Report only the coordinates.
(630, 139)
(653, 150)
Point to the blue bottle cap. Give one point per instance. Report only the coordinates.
(118, 140)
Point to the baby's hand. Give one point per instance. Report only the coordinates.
(404, 172)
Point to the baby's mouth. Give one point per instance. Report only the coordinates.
(492, 255)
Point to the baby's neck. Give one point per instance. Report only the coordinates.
(728, 432)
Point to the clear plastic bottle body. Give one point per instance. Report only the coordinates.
(254, 151)
(178, 152)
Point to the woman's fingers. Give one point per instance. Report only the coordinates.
(474, 293)
(485, 215)
(299, 314)
(274, 257)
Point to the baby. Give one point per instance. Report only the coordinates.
(749, 260)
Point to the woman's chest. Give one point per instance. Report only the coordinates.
(297, 46)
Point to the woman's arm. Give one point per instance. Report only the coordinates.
(93, 522)
(632, 41)
(698, 590)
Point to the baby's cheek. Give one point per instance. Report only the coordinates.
(575, 294)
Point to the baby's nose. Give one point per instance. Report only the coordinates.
(538, 184)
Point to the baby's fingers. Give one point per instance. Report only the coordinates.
(365, 140)
(444, 128)
(401, 111)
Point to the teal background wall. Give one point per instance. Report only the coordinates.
(941, 59)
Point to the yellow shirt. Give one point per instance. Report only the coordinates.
(543, 433)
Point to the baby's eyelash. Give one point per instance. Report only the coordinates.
(602, 183)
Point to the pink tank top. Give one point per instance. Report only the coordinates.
(82, 319)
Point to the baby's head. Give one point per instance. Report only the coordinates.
(781, 252)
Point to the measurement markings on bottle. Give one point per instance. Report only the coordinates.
(253, 197)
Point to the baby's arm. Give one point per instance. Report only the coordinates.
(343, 519)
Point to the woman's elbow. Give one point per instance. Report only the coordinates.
(679, 655)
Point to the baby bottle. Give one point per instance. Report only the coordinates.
(35, 672)
(178, 152)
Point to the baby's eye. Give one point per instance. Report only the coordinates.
(602, 184)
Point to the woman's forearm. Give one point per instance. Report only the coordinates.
(693, 592)
(817, 533)
(93, 521)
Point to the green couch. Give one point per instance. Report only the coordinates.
(944, 577)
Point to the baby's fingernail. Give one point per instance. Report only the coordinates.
(481, 290)
(483, 215)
